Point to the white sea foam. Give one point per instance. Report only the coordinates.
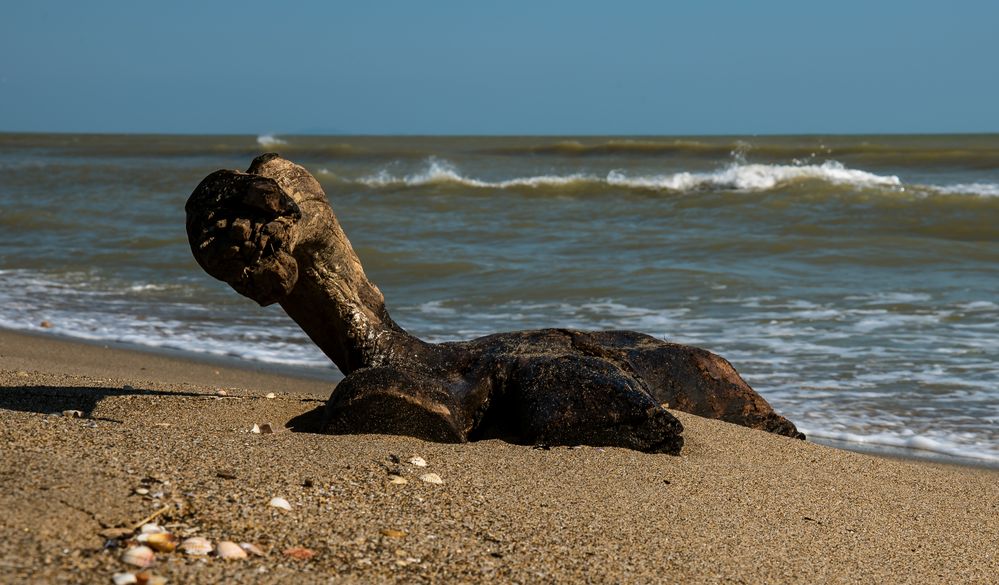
(270, 140)
(737, 177)
(910, 441)
(842, 371)
(443, 172)
(755, 177)
(980, 189)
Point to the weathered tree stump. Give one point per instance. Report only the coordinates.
(271, 234)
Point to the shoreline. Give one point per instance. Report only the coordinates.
(73, 355)
(236, 371)
(154, 437)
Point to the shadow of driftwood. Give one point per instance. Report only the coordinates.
(308, 422)
(56, 399)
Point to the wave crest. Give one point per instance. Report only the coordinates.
(736, 177)
(269, 140)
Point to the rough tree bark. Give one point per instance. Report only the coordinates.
(271, 234)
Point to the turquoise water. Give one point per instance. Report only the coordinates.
(851, 280)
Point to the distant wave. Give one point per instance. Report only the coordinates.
(622, 147)
(738, 176)
(976, 156)
(982, 189)
(269, 140)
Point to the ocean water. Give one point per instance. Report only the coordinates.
(852, 280)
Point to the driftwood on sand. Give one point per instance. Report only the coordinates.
(271, 234)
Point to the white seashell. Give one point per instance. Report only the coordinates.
(418, 461)
(229, 550)
(221, 392)
(255, 430)
(398, 479)
(139, 556)
(280, 503)
(270, 395)
(141, 491)
(72, 413)
(252, 549)
(151, 528)
(432, 478)
(124, 579)
(197, 546)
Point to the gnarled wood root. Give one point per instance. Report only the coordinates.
(272, 235)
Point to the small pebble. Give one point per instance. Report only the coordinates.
(124, 579)
(45, 324)
(72, 413)
(147, 578)
(432, 478)
(280, 503)
(141, 491)
(221, 392)
(418, 461)
(270, 395)
(393, 533)
(115, 533)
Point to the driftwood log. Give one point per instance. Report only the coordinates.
(271, 234)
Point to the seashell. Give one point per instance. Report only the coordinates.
(161, 542)
(139, 556)
(252, 549)
(227, 549)
(151, 528)
(393, 533)
(147, 578)
(124, 579)
(398, 479)
(197, 546)
(299, 553)
(266, 429)
(221, 392)
(432, 478)
(270, 395)
(280, 503)
(141, 491)
(418, 461)
(72, 413)
(255, 430)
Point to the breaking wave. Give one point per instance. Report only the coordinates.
(737, 177)
(270, 140)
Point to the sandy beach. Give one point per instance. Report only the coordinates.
(156, 439)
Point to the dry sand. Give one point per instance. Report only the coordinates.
(737, 506)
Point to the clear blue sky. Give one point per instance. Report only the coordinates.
(511, 67)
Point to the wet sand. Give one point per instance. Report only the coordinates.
(737, 506)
